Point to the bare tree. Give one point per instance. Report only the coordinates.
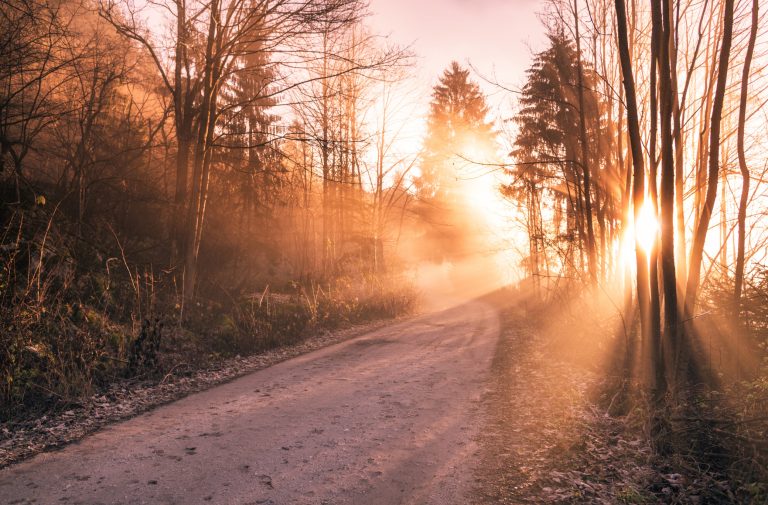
(743, 200)
(208, 43)
(638, 190)
(33, 69)
(702, 226)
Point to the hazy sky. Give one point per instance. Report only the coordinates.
(496, 36)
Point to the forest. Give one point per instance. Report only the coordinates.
(188, 185)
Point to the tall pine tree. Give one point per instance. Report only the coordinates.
(547, 151)
(458, 136)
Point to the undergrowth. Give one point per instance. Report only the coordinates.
(76, 317)
(714, 447)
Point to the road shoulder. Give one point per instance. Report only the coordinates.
(547, 440)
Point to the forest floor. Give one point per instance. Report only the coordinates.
(554, 434)
(547, 440)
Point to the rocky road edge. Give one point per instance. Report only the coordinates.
(130, 397)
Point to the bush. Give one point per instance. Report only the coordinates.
(268, 320)
(258, 323)
(75, 316)
(54, 354)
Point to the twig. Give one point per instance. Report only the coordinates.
(171, 372)
(112, 358)
(742, 438)
(125, 261)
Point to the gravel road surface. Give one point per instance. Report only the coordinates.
(390, 417)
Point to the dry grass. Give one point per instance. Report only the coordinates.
(73, 319)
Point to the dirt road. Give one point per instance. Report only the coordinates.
(390, 417)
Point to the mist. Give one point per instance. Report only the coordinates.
(542, 284)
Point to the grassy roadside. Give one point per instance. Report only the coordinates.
(74, 361)
(547, 438)
(564, 425)
(60, 349)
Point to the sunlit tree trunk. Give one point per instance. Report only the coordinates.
(744, 197)
(724, 232)
(700, 232)
(585, 167)
(680, 109)
(378, 190)
(636, 150)
(705, 107)
(602, 197)
(677, 134)
(325, 159)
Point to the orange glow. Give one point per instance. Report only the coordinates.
(647, 226)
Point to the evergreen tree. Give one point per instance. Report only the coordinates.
(249, 177)
(458, 134)
(547, 148)
(456, 130)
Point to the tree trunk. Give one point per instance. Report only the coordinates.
(677, 134)
(671, 326)
(206, 119)
(182, 139)
(325, 154)
(591, 254)
(742, 218)
(705, 106)
(655, 343)
(700, 235)
(638, 187)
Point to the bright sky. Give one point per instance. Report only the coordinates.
(495, 36)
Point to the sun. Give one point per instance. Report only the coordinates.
(647, 226)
